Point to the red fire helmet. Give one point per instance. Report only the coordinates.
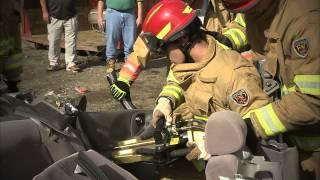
(167, 18)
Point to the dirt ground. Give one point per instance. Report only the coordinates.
(143, 92)
(62, 83)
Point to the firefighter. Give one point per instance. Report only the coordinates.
(10, 44)
(205, 76)
(230, 25)
(217, 20)
(286, 33)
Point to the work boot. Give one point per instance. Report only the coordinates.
(110, 65)
(52, 68)
(73, 68)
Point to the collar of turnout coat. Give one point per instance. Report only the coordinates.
(190, 68)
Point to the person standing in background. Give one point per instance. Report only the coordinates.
(60, 16)
(120, 21)
(10, 44)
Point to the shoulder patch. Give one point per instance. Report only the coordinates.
(301, 47)
(240, 97)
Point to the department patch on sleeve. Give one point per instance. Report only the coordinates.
(301, 47)
(240, 97)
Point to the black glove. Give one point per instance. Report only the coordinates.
(221, 38)
(120, 90)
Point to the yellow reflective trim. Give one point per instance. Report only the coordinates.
(240, 20)
(308, 84)
(164, 31)
(177, 88)
(151, 15)
(247, 115)
(275, 119)
(167, 92)
(203, 118)
(187, 10)
(309, 78)
(285, 90)
(292, 89)
(269, 121)
(242, 36)
(123, 79)
(263, 123)
(237, 36)
(232, 36)
(310, 91)
(171, 77)
(177, 92)
(173, 88)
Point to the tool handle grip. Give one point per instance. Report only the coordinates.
(179, 152)
(125, 102)
(158, 131)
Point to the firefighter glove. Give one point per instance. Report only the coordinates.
(119, 90)
(163, 109)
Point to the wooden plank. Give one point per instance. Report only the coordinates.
(87, 41)
(91, 41)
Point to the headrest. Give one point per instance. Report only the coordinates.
(222, 166)
(225, 133)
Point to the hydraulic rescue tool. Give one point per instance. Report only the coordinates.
(162, 145)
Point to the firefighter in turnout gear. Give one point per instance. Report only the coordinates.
(286, 34)
(205, 76)
(227, 28)
(10, 44)
(230, 26)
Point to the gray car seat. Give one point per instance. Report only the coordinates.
(85, 165)
(225, 141)
(224, 136)
(26, 148)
